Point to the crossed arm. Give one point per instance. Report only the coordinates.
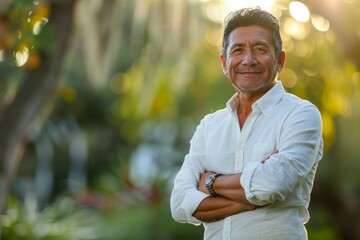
(231, 199)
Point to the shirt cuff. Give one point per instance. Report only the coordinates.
(190, 204)
(246, 179)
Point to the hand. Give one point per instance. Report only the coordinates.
(268, 157)
(202, 180)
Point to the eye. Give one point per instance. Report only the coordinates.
(237, 50)
(259, 49)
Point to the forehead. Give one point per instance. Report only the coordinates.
(250, 34)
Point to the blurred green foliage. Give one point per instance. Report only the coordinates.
(63, 219)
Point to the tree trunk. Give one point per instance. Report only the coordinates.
(37, 88)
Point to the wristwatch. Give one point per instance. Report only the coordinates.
(209, 183)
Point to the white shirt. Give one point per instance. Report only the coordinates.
(278, 121)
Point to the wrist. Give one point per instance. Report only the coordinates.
(209, 183)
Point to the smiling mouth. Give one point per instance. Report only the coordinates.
(249, 73)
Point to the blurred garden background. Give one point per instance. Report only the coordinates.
(99, 99)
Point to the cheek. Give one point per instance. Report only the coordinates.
(233, 62)
(272, 65)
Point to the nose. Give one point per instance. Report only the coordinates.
(249, 58)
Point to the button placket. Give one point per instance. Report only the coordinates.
(241, 139)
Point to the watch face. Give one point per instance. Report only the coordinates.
(209, 180)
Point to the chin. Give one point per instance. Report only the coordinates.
(248, 88)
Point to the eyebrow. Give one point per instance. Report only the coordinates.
(257, 43)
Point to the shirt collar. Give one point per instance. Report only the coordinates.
(264, 103)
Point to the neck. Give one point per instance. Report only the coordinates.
(245, 101)
(244, 106)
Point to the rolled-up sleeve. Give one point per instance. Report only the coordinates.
(300, 148)
(185, 197)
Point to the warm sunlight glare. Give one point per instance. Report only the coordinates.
(295, 29)
(217, 12)
(231, 5)
(299, 11)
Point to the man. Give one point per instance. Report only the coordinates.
(251, 165)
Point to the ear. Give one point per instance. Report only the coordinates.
(281, 61)
(223, 64)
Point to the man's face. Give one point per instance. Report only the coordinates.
(250, 62)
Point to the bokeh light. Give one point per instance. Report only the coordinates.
(231, 5)
(21, 56)
(320, 23)
(299, 11)
(39, 25)
(295, 29)
(288, 78)
(227, 6)
(2, 55)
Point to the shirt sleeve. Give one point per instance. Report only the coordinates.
(185, 197)
(300, 148)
